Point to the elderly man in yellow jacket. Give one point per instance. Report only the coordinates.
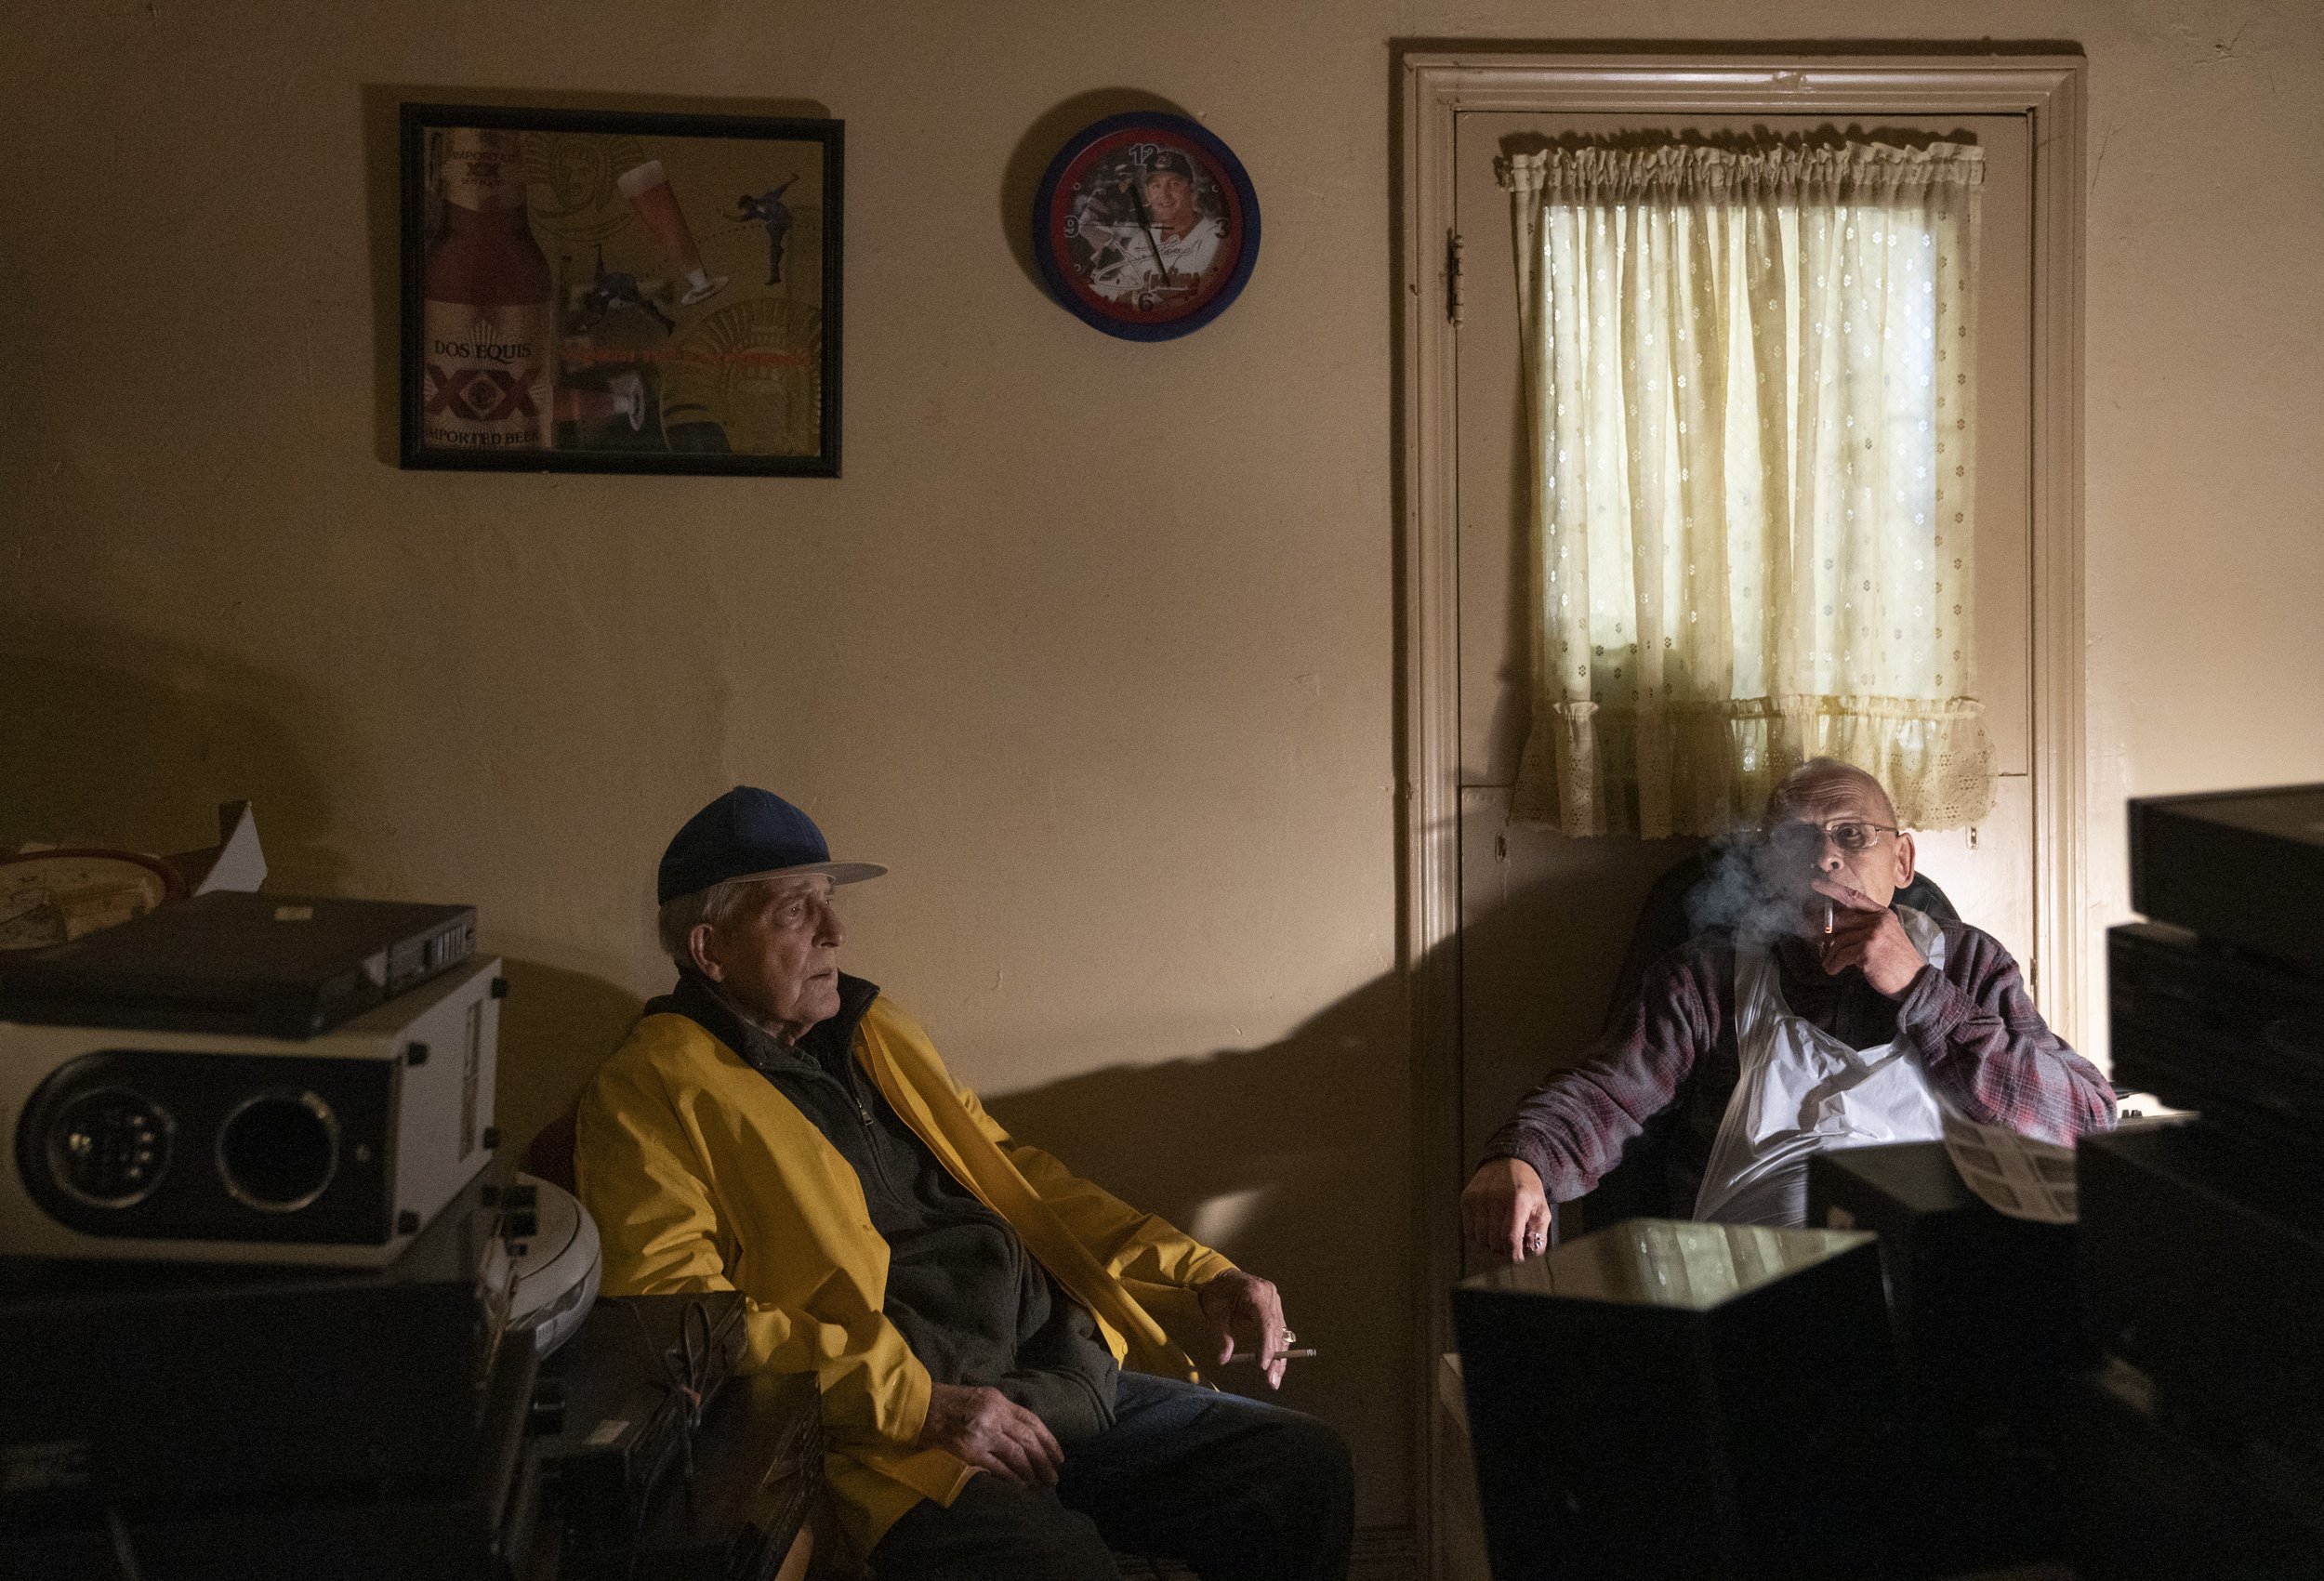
(1001, 1393)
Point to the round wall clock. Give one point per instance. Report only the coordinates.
(49, 896)
(1146, 226)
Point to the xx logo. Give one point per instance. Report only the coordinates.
(479, 395)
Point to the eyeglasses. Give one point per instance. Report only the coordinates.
(1850, 835)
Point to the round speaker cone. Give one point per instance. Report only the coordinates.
(278, 1150)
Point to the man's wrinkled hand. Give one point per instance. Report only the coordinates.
(1243, 1308)
(989, 1430)
(1504, 1210)
(1870, 937)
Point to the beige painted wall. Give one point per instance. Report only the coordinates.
(1124, 730)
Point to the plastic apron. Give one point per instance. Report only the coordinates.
(1803, 1091)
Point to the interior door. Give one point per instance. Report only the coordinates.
(1545, 919)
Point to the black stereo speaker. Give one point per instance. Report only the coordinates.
(1664, 1398)
(476, 1518)
(2208, 1027)
(141, 1382)
(2203, 1267)
(2147, 1500)
(2244, 867)
(1988, 1328)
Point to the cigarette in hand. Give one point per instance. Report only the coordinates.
(1280, 1355)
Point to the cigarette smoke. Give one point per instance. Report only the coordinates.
(1752, 888)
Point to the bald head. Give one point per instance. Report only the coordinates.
(1824, 787)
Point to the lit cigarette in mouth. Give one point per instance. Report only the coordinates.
(1827, 919)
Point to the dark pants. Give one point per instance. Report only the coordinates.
(1235, 1488)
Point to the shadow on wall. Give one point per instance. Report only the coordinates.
(120, 740)
(1548, 917)
(1276, 1156)
(557, 1027)
(124, 740)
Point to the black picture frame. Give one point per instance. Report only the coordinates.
(640, 317)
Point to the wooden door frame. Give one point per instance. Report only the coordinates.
(1438, 85)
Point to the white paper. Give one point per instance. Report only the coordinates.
(2015, 1175)
(240, 865)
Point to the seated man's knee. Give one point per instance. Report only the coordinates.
(1062, 1556)
(1300, 1520)
(1310, 1476)
(1335, 1467)
(994, 1531)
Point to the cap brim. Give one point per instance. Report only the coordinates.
(838, 871)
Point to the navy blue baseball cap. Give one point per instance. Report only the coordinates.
(749, 833)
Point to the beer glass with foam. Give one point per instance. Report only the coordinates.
(648, 188)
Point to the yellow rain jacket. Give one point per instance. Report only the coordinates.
(702, 1176)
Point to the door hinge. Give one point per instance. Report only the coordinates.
(1452, 277)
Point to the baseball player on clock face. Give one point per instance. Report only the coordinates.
(1168, 247)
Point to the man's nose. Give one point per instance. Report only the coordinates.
(828, 932)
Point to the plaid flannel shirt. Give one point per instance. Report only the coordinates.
(1669, 1057)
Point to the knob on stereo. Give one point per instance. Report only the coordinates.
(110, 1147)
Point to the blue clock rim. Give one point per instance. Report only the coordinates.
(1054, 273)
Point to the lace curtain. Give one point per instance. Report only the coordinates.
(1749, 379)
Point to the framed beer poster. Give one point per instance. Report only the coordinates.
(604, 291)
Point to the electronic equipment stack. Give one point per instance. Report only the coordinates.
(667, 1464)
(2196, 1448)
(639, 1379)
(254, 1277)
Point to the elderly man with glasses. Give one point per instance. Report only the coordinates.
(1826, 1017)
(998, 1342)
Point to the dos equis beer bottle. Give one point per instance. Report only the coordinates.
(488, 314)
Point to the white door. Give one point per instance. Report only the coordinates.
(1545, 919)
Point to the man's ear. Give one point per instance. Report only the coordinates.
(698, 952)
(1905, 857)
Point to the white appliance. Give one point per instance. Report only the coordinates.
(197, 1146)
(557, 1265)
